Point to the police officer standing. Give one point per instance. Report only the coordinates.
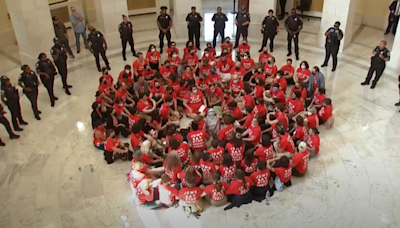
(6, 123)
(269, 28)
(10, 97)
(193, 19)
(60, 59)
(332, 44)
(242, 22)
(164, 24)
(47, 71)
(219, 19)
(62, 35)
(293, 25)
(29, 82)
(125, 30)
(380, 56)
(98, 46)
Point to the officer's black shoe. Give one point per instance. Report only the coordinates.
(14, 136)
(52, 104)
(68, 86)
(373, 86)
(235, 47)
(297, 57)
(99, 69)
(289, 54)
(271, 50)
(72, 56)
(259, 51)
(161, 50)
(397, 104)
(78, 51)
(23, 122)
(108, 68)
(37, 117)
(134, 54)
(40, 112)
(1, 143)
(364, 83)
(324, 65)
(56, 98)
(199, 48)
(124, 58)
(333, 69)
(18, 129)
(68, 92)
(386, 33)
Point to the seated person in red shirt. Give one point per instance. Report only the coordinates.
(318, 98)
(197, 137)
(99, 134)
(248, 64)
(236, 85)
(299, 86)
(210, 49)
(204, 67)
(113, 147)
(288, 71)
(239, 190)
(103, 99)
(238, 70)
(167, 193)
(216, 191)
(325, 114)
(300, 161)
(182, 149)
(275, 92)
(127, 70)
(147, 197)
(202, 83)
(283, 172)
(119, 108)
(313, 142)
(124, 94)
(166, 111)
(107, 88)
(193, 101)
(216, 152)
(188, 173)
(294, 104)
(264, 55)
(247, 122)
(128, 82)
(249, 163)
(280, 116)
(234, 110)
(215, 95)
(285, 146)
(226, 132)
(280, 79)
(192, 59)
(300, 131)
(157, 93)
(190, 198)
(208, 56)
(195, 159)
(265, 150)
(243, 48)
(258, 73)
(207, 168)
(107, 76)
(145, 104)
(261, 185)
(254, 134)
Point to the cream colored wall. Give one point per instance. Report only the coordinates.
(5, 23)
(317, 5)
(375, 13)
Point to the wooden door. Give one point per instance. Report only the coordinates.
(243, 3)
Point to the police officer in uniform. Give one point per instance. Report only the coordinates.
(62, 35)
(333, 37)
(60, 60)
(269, 28)
(125, 30)
(98, 46)
(10, 97)
(6, 123)
(47, 71)
(293, 25)
(219, 25)
(380, 56)
(29, 82)
(164, 24)
(242, 22)
(193, 19)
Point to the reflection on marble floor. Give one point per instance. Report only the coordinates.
(353, 183)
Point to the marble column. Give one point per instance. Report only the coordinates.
(343, 11)
(394, 62)
(181, 10)
(258, 9)
(33, 28)
(109, 15)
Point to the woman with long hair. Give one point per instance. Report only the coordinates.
(188, 173)
(153, 57)
(216, 191)
(249, 163)
(227, 168)
(282, 172)
(235, 147)
(239, 190)
(260, 179)
(172, 166)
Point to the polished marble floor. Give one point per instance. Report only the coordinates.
(354, 182)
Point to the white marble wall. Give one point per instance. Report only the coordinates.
(258, 9)
(33, 28)
(109, 15)
(394, 62)
(181, 9)
(338, 10)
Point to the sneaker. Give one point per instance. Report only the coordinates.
(14, 136)
(364, 83)
(397, 104)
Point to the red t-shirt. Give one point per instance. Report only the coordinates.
(192, 60)
(282, 83)
(259, 91)
(183, 180)
(227, 173)
(110, 79)
(302, 92)
(247, 64)
(205, 69)
(236, 87)
(241, 72)
(300, 161)
(302, 75)
(319, 99)
(325, 112)
(153, 58)
(128, 81)
(243, 49)
(248, 120)
(228, 46)
(190, 195)
(136, 177)
(259, 76)
(164, 110)
(176, 136)
(214, 78)
(182, 91)
(312, 121)
(284, 174)
(105, 88)
(173, 174)
(140, 67)
(121, 74)
(265, 153)
(119, 108)
(182, 151)
(313, 141)
(167, 194)
(249, 168)
(174, 62)
(143, 195)
(254, 132)
(217, 93)
(207, 167)
(248, 100)
(198, 139)
(217, 155)
(174, 85)
(121, 94)
(287, 143)
(226, 133)
(237, 187)
(287, 69)
(270, 70)
(141, 105)
(202, 83)
(194, 101)
(260, 110)
(263, 58)
(217, 196)
(225, 67)
(136, 139)
(211, 52)
(209, 57)
(166, 72)
(295, 106)
(260, 178)
(158, 92)
(236, 152)
(301, 133)
(280, 95)
(98, 141)
(186, 50)
(237, 113)
(148, 74)
(283, 118)
(145, 158)
(169, 50)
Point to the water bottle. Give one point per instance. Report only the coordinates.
(80, 169)
(267, 195)
(91, 167)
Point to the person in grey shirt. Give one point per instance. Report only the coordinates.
(77, 21)
(181, 68)
(141, 86)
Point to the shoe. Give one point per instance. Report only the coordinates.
(364, 83)
(40, 112)
(124, 59)
(38, 117)
(333, 69)
(199, 49)
(235, 47)
(52, 104)
(373, 86)
(271, 50)
(161, 51)
(23, 122)
(2, 144)
(68, 92)
(108, 68)
(72, 56)
(78, 51)
(14, 136)
(69, 86)
(196, 215)
(324, 65)
(229, 207)
(56, 98)
(259, 51)
(386, 33)
(297, 57)
(397, 104)
(289, 54)
(98, 69)
(134, 54)
(18, 129)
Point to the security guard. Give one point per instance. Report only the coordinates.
(47, 71)
(10, 97)
(6, 123)
(62, 35)
(193, 19)
(125, 30)
(293, 25)
(164, 24)
(60, 60)
(269, 28)
(242, 22)
(282, 4)
(380, 56)
(333, 37)
(29, 82)
(98, 46)
(219, 25)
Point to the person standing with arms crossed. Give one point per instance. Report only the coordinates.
(293, 25)
(242, 22)
(59, 55)
(126, 32)
(77, 21)
(219, 19)
(62, 35)
(164, 24)
(269, 29)
(98, 46)
(333, 37)
(193, 19)
(380, 56)
(29, 82)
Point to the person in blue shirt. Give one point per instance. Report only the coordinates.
(77, 22)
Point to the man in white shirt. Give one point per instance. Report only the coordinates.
(77, 22)
(393, 17)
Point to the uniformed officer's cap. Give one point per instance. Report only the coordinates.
(4, 78)
(193, 7)
(163, 7)
(55, 18)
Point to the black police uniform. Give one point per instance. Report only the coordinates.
(293, 23)
(240, 29)
(163, 21)
(193, 20)
(61, 64)
(393, 19)
(6, 123)
(332, 45)
(30, 80)
(47, 66)
(377, 65)
(219, 27)
(270, 24)
(96, 43)
(125, 31)
(11, 95)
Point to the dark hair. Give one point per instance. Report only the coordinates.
(174, 143)
(236, 140)
(127, 67)
(171, 130)
(270, 11)
(321, 90)
(168, 99)
(141, 95)
(41, 55)
(276, 85)
(227, 119)
(282, 162)
(190, 182)
(133, 110)
(194, 126)
(136, 128)
(227, 160)
(305, 63)
(150, 46)
(248, 90)
(165, 179)
(266, 140)
(261, 165)
(338, 23)
(248, 157)
(23, 67)
(316, 68)
(239, 174)
(297, 93)
(248, 108)
(207, 156)
(280, 124)
(197, 156)
(315, 130)
(290, 60)
(98, 93)
(281, 131)
(215, 143)
(280, 72)
(117, 100)
(174, 76)
(328, 101)
(95, 105)
(216, 176)
(281, 107)
(98, 123)
(109, 132)
(232, 104)
(299, 121)
(187, 43)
